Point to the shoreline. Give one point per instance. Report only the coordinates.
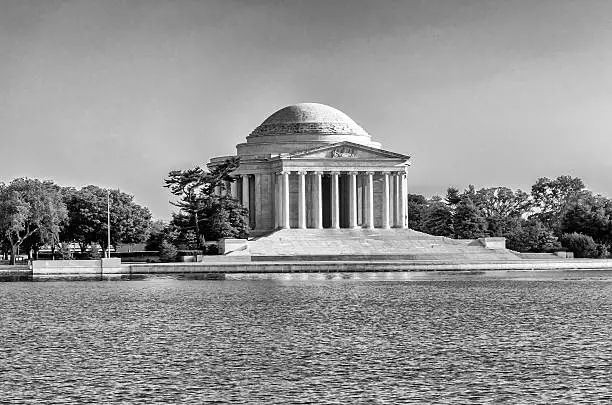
(216, 270)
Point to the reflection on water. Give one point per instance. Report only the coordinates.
(317, 338)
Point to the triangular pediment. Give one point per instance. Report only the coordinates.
(345, 150)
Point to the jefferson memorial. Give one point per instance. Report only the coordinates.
(310, 165)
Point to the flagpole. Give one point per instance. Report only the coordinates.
(108, 223)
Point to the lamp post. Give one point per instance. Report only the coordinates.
(108, 223)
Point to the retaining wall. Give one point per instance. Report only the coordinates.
(112, 268)
(91, 268)
(359, 266)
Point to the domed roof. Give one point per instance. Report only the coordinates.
(309, 118)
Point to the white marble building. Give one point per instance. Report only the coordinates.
(309, 165)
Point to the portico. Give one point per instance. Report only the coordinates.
(338, 199)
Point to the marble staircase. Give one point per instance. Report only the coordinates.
(368, 244)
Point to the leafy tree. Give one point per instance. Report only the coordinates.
(583, 245)
(499, 202)
(468, 222)
(501, 207)
(32, 211)
(531, 236)
(589, 215)
(209, 215)
(65, 252)
(87, 211)
(438, 220)
(552, 197)
(158, 232)
(5, 248)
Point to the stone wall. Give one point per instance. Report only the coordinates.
(264, 201)
(76, 267)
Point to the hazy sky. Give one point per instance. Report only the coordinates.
(119, 92)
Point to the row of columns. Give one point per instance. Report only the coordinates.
(282, 211)
(395, 180)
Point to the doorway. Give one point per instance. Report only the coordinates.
(326, 200)
(344, 199)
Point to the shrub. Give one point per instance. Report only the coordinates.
(64, 251)
(191, 252)
(167, 252)
(95, 254)
(583, 245)
(212, 249)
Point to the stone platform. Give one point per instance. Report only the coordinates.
(367, 244)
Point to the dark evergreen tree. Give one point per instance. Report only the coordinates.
(438, 220)
(453, 197)
(468, 222)
(209, 215)
(417, 205)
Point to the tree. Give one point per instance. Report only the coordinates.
(438, 220)
(158, 232)
(468, 222)
(501, 207)
(499, 202)
(552, 197)
(87, 211)
(453, 197)
(225, 217)
(210, 215)
(31, 211)
(589, 215)
(583, 245)
(167, 251)
(531, 236)
(417, 204)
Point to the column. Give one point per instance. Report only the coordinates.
(318, 201)
(245, 191)
(385, 201)
(405, 198)
(335, 200)
(353, 199)
(392, 208)
(277, 201)
(285, 200)
(234, 188)
(401, 202)
(245, 196)
(396, 197)
(302, 200)
(257, 202)
(370, 200)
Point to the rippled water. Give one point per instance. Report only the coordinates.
(390, 338)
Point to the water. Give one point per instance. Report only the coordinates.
(520, 337)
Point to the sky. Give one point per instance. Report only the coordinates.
(117, 93)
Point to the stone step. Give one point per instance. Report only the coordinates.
(411, 245)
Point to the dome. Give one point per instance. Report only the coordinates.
(309, 119)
